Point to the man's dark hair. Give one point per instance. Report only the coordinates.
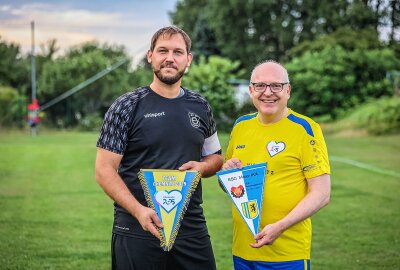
(169, 31)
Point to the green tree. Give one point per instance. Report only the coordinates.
(79, 64)
(192, 16)
(248, 33)
(345, 37)
(252, 31)
(333, 80)
(12, 106)
(204, 38)
(210, 77)
(142, 75)
(13, 69)
(394, 13)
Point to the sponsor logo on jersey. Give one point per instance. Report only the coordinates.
(154, 115)
(194, 120)
(121, 228)
(309, 168)
(240, 146)
(274, 147)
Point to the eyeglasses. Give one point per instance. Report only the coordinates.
(261, 87)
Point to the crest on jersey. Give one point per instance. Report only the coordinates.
(274, 147)
(194, 120)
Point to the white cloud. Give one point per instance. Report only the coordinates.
(5, 8)
(74, 26)
(56, 16)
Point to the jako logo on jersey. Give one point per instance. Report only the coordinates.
(154, 114)
(275, 147)
(240, 146)
(194, 120)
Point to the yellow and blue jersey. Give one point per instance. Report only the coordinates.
(295, 151)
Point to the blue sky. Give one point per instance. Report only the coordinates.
(124, 22)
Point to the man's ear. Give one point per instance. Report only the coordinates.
(149, 54)
(190, 58)
(289, 90)
(251, 91)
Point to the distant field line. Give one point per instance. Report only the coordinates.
(364, 166)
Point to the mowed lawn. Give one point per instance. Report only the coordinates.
(55, 216)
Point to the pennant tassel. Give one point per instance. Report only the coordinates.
(168, 246)
(149, 201)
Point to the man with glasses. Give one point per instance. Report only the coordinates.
(297, 182)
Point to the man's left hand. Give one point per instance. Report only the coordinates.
(267, 236)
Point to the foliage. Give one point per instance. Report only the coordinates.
(210, 78)
(13, 68)
(12, 106)
(186, 13)
(347, 38)
(191, 15)
(142, 75)
(378, 116)
(333, 80)
(257, 30)
(78, 65)
(205, 38)
(90, 122)
(255, 34)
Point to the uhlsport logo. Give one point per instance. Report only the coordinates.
(154, 115)
(275, 147)
(194, 120)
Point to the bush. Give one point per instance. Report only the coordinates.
(210, 77)
(12, 106)
(90, 122)
(379, 117)
(333, 80)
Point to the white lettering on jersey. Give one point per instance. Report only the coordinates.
(154, 114)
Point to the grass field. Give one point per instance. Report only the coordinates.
(54, 215)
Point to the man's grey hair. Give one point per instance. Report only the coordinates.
(270, 61)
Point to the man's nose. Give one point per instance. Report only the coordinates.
(170, 56)
(268, 91)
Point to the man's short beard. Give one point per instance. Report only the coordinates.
(167, 79)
